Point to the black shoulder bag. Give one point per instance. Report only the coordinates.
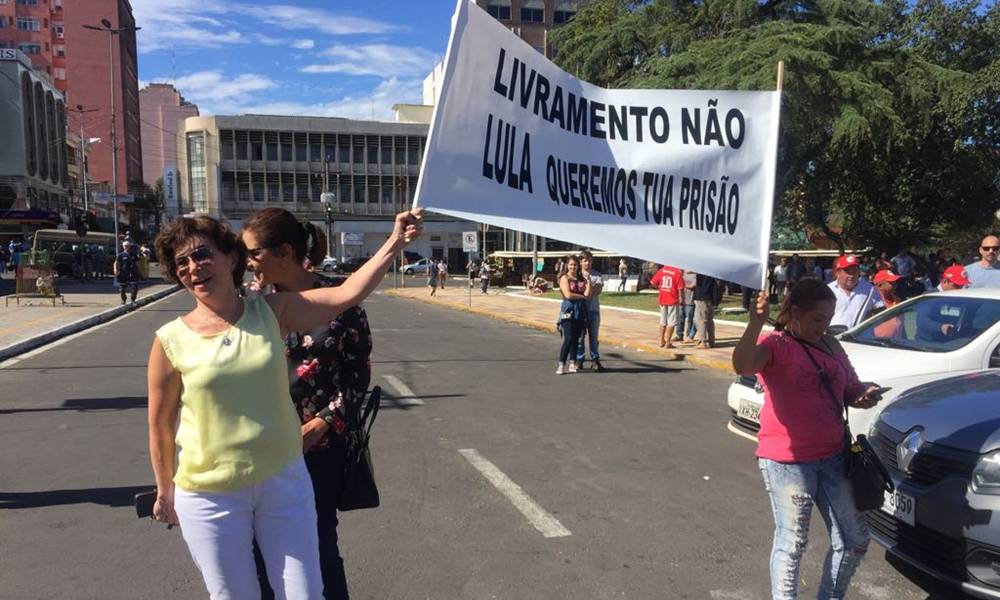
(870, 480)
(359, 489)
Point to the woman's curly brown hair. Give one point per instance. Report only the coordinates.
(182, 229)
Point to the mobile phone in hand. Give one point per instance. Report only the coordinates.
(144, 504)
(878, 391)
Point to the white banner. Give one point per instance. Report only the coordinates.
(681, 177)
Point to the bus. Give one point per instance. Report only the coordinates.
(76, 255)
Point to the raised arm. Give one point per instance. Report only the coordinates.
(749, 357)
(164, 389)
(302, 311)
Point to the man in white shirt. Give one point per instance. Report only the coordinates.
(781, 278)
(856, 298)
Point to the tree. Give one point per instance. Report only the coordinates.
(890, 114)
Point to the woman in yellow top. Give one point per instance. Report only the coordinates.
(218, 390)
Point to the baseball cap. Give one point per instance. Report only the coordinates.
(846, 261)
(956, 274)
(885, 275)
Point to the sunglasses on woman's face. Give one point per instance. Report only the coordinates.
(201, 255)
(255, 253)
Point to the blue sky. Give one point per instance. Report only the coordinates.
(342, 58)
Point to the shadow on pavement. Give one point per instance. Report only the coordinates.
(85, 404)
(114, 497)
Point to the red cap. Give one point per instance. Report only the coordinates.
(956, 274)
(847, 260)
(885, 275)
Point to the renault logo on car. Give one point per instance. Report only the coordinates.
(907, 449)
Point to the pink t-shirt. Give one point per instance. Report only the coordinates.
(799, 421)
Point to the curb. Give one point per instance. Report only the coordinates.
(691, 358)
(38, 341)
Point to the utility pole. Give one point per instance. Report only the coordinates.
(83, 155)
(112, 32)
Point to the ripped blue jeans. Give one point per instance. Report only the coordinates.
(794, 488)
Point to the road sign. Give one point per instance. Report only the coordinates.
(470, 241)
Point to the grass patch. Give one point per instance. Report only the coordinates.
(651, 302)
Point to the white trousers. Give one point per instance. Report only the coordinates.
(219, 529)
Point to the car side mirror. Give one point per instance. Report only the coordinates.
(836, 329)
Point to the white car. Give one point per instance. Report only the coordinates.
(926, 338)
(416, 267)
(328, 265)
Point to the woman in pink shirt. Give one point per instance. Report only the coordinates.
(801, 440)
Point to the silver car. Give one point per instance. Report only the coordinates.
(941, 443)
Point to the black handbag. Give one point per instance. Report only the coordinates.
(869, 478)
(359, 489)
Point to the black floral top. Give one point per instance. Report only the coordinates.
(330, 367)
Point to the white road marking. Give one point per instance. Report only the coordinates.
(13, 361)
(544, 522)
(408, 397)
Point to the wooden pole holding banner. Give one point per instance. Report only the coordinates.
(779, 84)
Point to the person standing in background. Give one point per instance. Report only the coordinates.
(593, 303)
(670, 281)
(986, 272)
(707, 293)
(622, 274)
(685, 314)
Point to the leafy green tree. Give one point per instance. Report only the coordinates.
(890, 114)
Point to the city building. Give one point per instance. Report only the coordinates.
(51, 34)
(161, 109)
(531, 20)
(88, 84)
(33, 169)
(230, 166)
(35, 28)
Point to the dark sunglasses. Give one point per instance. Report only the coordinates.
(200, 256)
(988, 248)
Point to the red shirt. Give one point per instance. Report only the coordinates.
(670, 280)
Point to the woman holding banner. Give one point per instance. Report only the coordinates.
(218, 388)
(807, 381)
(573, 314)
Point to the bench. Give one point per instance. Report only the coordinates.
(17, 298)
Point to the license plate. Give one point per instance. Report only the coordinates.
(900, 505)
(749, 411)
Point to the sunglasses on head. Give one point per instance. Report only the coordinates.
(200, 255)
(988, 248)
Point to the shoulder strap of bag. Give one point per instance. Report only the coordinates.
(823, 380)
(371, 409)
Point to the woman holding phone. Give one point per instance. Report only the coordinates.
(801, 440)
(218, 388)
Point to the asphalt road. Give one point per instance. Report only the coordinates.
(631, 473)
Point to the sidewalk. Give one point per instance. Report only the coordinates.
(35, 321)
(621, 327)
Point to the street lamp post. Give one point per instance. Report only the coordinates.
(83, 154)
(329, 228)
(112, 32)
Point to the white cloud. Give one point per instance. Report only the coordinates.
(199, 24)
(375, 59)
(374, 104)
(212, 87)
(298, 18)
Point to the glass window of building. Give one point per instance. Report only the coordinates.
(359, 191)
(197, 170)
(226, 151)
(300, 151)
(286, 148)
(373, 155)
(272, 150)
(400, 151)
(359, 155)
(533, 11)
(30, 48)
(387, 151)
(28, 24)
(499, 9)
(315, 150)
(343, 154)
(564, 12)
(256, 145)
(242, 140)
(345, 193)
